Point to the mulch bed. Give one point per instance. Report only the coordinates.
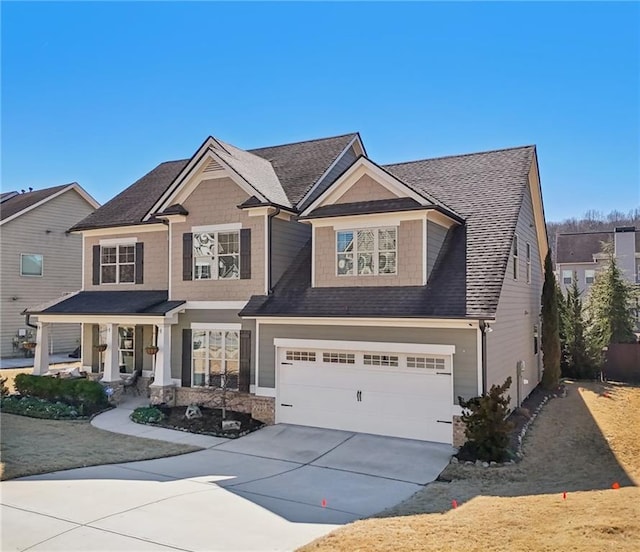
(521, 418)
(209, 424)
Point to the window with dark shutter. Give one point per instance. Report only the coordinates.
(96, 265)
(244, 379)
(186, 358)
(139, 263)
(187, 256)
(245, 254)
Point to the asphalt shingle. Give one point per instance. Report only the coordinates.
(19, 202)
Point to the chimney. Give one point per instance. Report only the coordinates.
(624, 239)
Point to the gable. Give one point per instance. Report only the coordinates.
(366, 188)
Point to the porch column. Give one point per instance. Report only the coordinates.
(162, 373)
(111, 361)
(86, 347)
(41, 354)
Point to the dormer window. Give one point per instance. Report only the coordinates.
(216, 255)
(366, 251)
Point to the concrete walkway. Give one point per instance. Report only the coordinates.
(27, 362)
(275, 489)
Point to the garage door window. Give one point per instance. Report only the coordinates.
(428, 363)
(380, 360)
(304, 356)
(215, 358)
(339, 358)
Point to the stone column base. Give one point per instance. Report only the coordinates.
(459, 438)
(162, 395)
(264, 409)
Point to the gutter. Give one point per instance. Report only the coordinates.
(269, 232)
(484, 328)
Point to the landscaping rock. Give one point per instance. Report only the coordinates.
(454, 460)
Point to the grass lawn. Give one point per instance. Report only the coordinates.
(30, 446)
(580, 445)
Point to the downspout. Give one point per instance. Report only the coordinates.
(269, 227)
(483, 346)
(27, 317)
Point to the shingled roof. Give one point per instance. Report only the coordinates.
(580, 247)
(19, 202)
(487, 189)
(297, 166)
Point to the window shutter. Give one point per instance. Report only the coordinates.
(139, 262)
(187, 256)
(245, 254)
(186, 358)
(96, 265)
(244, 378)
(138, 338)
(95, 355)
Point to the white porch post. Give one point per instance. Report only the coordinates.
(162, 373)
(86, 347)
(41, 354)
(111, 361)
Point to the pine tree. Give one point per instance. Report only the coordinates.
(577, 358)
(609, 308)
(550, 327)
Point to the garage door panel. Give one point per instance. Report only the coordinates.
(393, 400)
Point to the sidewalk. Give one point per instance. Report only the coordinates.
(117, 421)
(22, 362)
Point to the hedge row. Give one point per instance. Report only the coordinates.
(88, 396)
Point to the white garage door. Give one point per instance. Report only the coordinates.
(401, 394)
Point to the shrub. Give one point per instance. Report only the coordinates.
(38, 408)
(87, 396)
(487, 428)
(147, 415)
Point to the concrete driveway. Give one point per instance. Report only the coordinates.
(275, 489)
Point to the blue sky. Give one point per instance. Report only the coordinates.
(100, 93)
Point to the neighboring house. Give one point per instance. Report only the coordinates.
(40, 260)
(325, 289)
(581, 255)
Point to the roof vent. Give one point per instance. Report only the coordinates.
(212, 166)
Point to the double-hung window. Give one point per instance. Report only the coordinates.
(528, 263)
(567, 277)
(216, 255)
(118, 264)
(367, 251)
(215, 358)
(589, 276)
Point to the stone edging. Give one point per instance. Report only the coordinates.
(518, 453)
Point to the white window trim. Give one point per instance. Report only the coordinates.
(214, 274)
(528, 260)
(220, 328)
(376, 251)
(209, 326)
(41, 275)
(118, 241)
(217, 227)
(570, 277)
(368, 346)
(593, 277)
(117, 264)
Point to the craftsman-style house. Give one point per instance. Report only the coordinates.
(316, 286)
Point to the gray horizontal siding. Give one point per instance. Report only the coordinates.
(435, 238)
(518, 312)
(465, 365)
(288, 237)
(41, 231)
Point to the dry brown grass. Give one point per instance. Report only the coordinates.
(582, 445)
(30, 446)
(11, 374)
